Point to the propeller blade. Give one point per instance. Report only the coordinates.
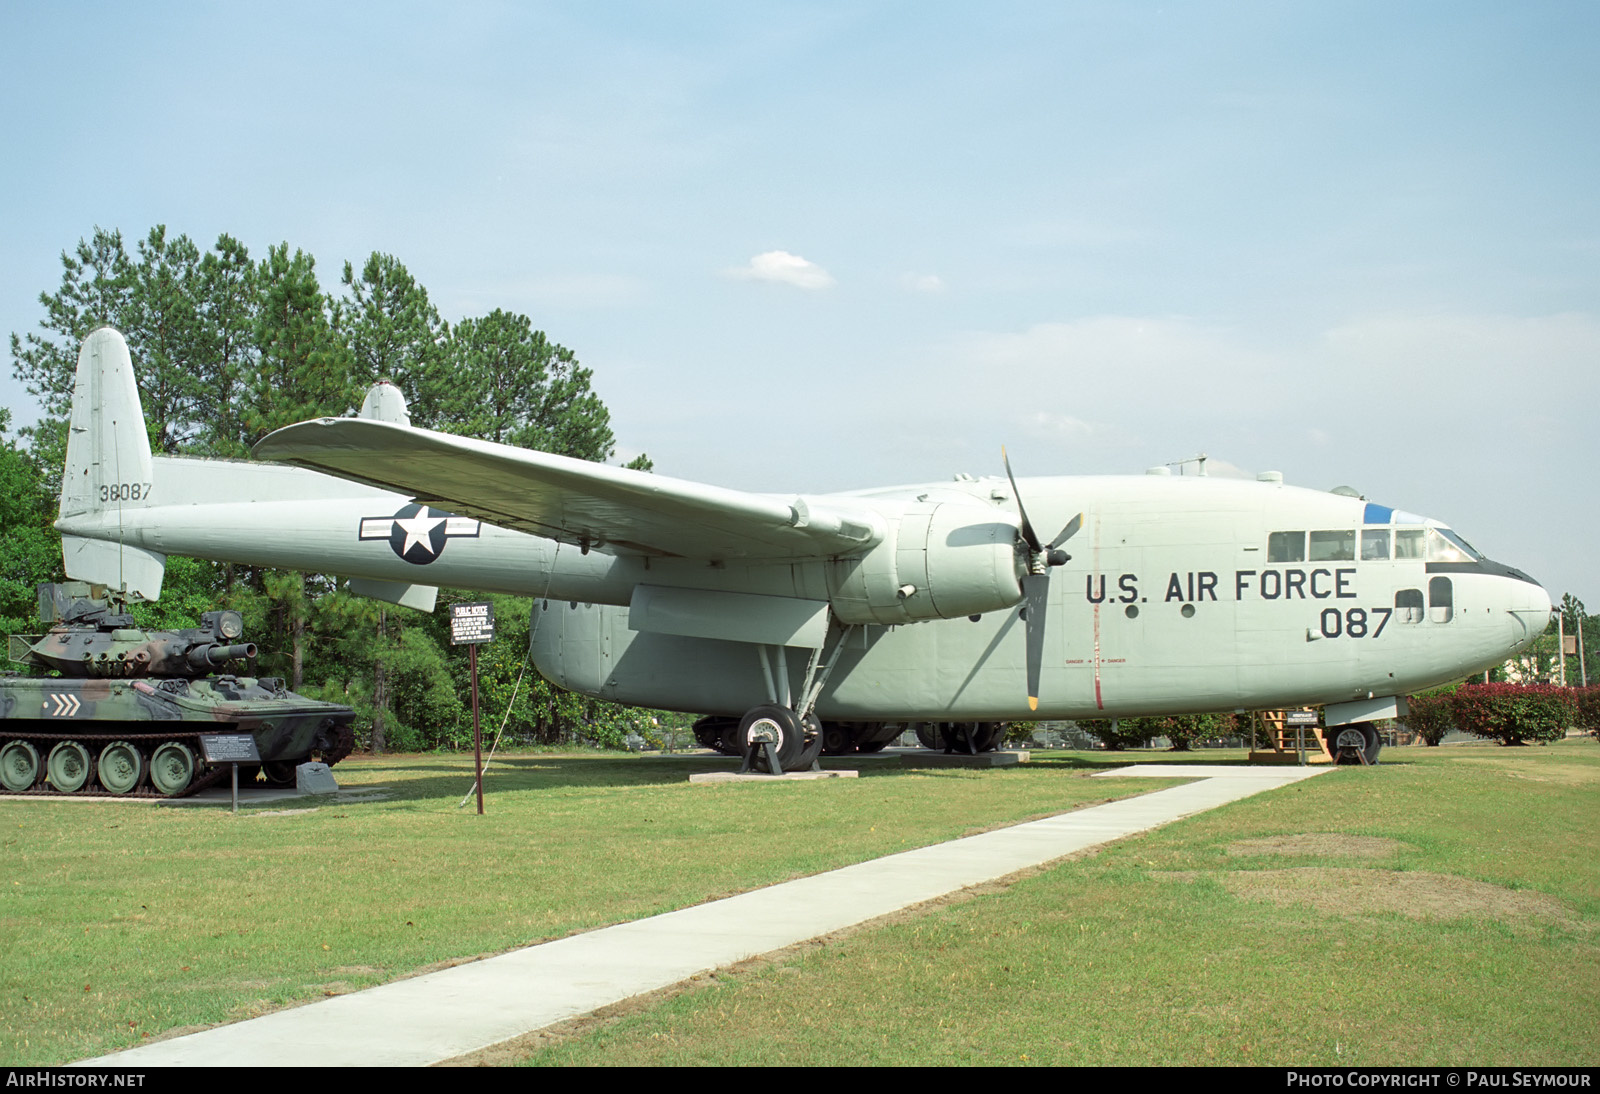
(1036, 590)
(1036, 586)
(1027, 525)
(1068, 532)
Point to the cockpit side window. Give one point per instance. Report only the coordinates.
(1286, 547)
(1337, 545)
(1408, 542)
(1374, 544)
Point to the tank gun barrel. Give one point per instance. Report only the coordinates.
(211, 655)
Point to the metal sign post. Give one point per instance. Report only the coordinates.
(472, 625)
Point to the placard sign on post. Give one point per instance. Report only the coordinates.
(1302, 720)
(233, 749)
(471, 625)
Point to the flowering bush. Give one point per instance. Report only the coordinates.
(1514, 714)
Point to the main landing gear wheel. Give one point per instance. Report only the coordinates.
(813, 744)
(1354, 744)
(19, 766)
(778, 726)
(836, 740)
(966, 737)
(68, 767)
(120, 767)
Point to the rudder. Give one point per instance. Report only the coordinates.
(108, 470)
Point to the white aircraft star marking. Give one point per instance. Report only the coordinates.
(417, 528)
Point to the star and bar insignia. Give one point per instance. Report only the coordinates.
(416, 533)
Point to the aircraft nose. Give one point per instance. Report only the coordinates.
(1530, 607)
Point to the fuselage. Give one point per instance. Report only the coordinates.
(1183, 594)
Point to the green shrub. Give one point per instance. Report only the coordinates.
(1432, 715)
(1586, 710)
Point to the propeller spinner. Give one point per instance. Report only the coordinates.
(1036, 582)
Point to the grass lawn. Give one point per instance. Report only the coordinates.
(1442, 908)
(129, 921)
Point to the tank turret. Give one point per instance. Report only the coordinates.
(89, 638)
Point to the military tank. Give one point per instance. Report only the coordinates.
(127, 707)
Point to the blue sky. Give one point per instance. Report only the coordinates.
(829, 246)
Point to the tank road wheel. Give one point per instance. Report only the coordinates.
(718, 734)
(1354, 744)
(19, 765)
(279, 773)
(68, 767)
(120, 768)
(775, 721)
(172, 768)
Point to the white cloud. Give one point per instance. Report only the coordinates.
(1060, 425)
(781, 266)
(928, 283)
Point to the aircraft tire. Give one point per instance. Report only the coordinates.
(988, 736)
(1340, 737)
(791, 736)
(969, 736)
(837, 740)
(812, 747)
(928, 735)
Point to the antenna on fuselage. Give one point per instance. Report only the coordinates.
(1199, 460)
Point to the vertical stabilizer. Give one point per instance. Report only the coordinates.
(108, 475)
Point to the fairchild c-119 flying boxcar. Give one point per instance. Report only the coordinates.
(796, 617)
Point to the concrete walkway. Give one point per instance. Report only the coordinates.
(445, 1014)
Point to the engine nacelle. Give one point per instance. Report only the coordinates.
(938, 560)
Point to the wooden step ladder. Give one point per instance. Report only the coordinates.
(1273, 728)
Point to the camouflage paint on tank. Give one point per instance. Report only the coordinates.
(121, 682)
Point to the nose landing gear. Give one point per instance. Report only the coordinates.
(1356, 743)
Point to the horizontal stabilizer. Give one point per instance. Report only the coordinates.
(574, 501)
(133, 570)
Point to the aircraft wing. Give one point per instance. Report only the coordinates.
(575, 501)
